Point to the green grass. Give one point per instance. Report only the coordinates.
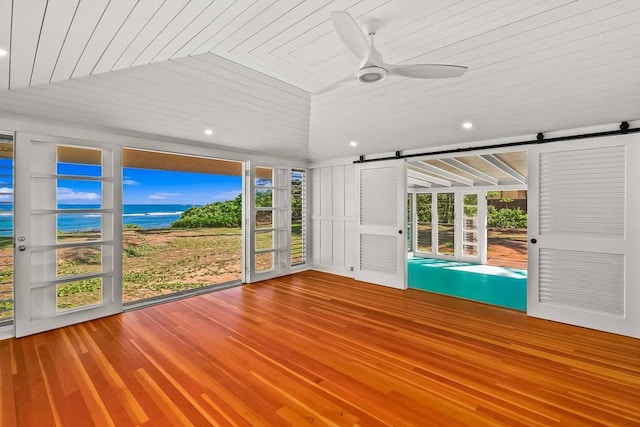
(155, 262)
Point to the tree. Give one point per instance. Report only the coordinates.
(218, 214)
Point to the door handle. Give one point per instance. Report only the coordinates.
(22, 248)
(399, 231)
(534, 241)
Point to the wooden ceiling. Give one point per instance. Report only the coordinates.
(248, 69)
(467, 171)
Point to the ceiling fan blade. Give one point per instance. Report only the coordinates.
(351, 34)
(427, 71)
(336, 85)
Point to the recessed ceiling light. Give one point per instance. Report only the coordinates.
(3, 52)
(353, 144)
(467, 125)
(208, 132)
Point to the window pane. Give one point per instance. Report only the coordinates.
(264, 219)
(74, 227)
(6, 230)
(80, 293)
(423, 214)
(78, 194)
(298, 217)
(264, 177)
(79, 161)
(78, 260)
(264, 261)
(471, 199)
(264, 198)
(264, 240)
(446, 223)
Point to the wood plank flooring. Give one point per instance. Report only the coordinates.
(318, 349)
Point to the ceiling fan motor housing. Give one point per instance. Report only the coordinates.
(371, 74)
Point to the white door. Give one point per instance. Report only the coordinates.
(269, 236)
(67, 228)
(381, 205)
(584, 236)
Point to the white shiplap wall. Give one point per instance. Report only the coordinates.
(333, 218)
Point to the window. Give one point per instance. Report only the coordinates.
(423, 219)
(470, 225)
(6, 229)
(446, 223)
(298, 217)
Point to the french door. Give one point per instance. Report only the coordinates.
(381, 205)
(268, 247)
(65, 277)
(583, 234)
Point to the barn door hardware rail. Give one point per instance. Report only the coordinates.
(540, 139)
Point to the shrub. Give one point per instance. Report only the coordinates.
(218, 214)
(506, 217)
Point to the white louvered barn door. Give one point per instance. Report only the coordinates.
(583, 234)
(381, 206)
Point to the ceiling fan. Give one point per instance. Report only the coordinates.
(372, 67)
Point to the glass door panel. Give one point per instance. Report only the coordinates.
(66, 276)
(423, 221)
(470, 225)
(6, 229)
(446, 223)
(270, 246)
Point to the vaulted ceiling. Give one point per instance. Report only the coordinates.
(249, 70)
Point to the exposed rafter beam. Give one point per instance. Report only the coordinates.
(428, 178)
(492, 159)
(471, 170)
(443, 173)
(418, 183)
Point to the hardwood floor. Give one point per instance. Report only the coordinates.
(317, 349)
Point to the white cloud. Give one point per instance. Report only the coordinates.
(129, 182)
(68, 194)
(225, 195)
(6, 194)
(163, 196)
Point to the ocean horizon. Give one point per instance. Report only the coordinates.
(147, 216)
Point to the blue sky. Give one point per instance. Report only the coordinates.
(144, 186)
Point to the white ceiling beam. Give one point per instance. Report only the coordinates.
(443, 173)
(418, 183)
(471, 171)
(492, 159)
(429, 178)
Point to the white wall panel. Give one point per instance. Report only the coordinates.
(337, 190)
(326, 242)
(316, 188)
(326, 197)
(338, 247)
(315, 242)
(333, 220)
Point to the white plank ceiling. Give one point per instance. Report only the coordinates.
(248, 69)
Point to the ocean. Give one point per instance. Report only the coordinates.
(146, 216)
